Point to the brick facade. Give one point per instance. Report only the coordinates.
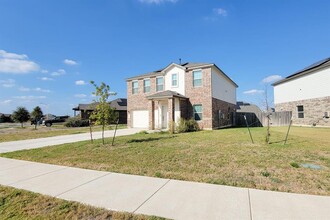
(314, 110)
(200, 95)
(196, 95)
(227, 113)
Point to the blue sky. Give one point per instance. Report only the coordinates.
(50, 50)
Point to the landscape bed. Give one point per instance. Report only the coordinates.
(224, 157)
(21, 204)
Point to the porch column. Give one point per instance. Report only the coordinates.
(171, 111)
(151, 109)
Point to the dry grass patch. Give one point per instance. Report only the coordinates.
(28, 132)
(21, 204)
(221, 157)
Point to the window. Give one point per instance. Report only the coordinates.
(146, 85)
(198, 112)
(174, 80)
(135, 87)
(159, 84)
(197, 78)
(300, 110)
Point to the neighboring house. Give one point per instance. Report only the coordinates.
(120, 106)
(307, 94)
(191, 90)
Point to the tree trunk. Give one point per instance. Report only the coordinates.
(21, 124)
(103, 133)
(90, 130)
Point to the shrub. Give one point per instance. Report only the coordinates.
(187, 126)
(76, 122)
(294, 164)
(265, 173)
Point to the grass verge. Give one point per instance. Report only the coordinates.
(224, 157)
(15, 134)
(21, 204)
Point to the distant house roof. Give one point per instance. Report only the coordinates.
(247, 107)
(305, 71)
(186, 66)
(119, 104)
(166, 94)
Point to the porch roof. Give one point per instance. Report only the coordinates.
(166, 94)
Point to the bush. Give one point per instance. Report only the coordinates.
(294, 164)
(187, 126)
(76, 122)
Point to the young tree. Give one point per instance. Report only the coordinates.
(36, 115)
(21, 115)
(103, 113)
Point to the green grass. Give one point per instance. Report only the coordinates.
(28, 132)
(220, 157)
(21, 204)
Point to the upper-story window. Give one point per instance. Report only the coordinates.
(174, 80)
(146, 85)
(197, 78)
(159, 84)
(300, 110)
(135, 87)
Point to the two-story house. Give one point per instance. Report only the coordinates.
(191, 90)
(306, 94)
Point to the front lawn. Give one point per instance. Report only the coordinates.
(21, 204)
(13, 133)
(221, 157)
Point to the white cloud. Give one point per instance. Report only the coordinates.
(220, 11)
(70, 62)
(157, 1)
(46, 79)
(253, 92)
(80, 96)
(6, 102)
(44, 71)
(41, 90)
(9, 83)
(30, 97)
(16, 63)
(272, 78)
(59, 72)
(80, 82)
(24, 89)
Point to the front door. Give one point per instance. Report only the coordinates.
(164, 116)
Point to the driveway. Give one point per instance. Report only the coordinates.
(63, 139)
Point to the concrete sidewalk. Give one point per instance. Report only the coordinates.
(63, 139)
(161, 197)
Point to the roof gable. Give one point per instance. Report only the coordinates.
(307, 70)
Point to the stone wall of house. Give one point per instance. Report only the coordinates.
(200, 95)
(314, 110)
(227, 110)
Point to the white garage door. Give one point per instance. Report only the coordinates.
(140, 119)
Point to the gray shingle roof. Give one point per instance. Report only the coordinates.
(303, 71)
(119, 104)
(187, 66)
(166, 94)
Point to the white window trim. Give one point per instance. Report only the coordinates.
(193, 77)
(149, 85)
(198, 112)
(177, 80)
(158, 77)
(299, 112)
(137, 87)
